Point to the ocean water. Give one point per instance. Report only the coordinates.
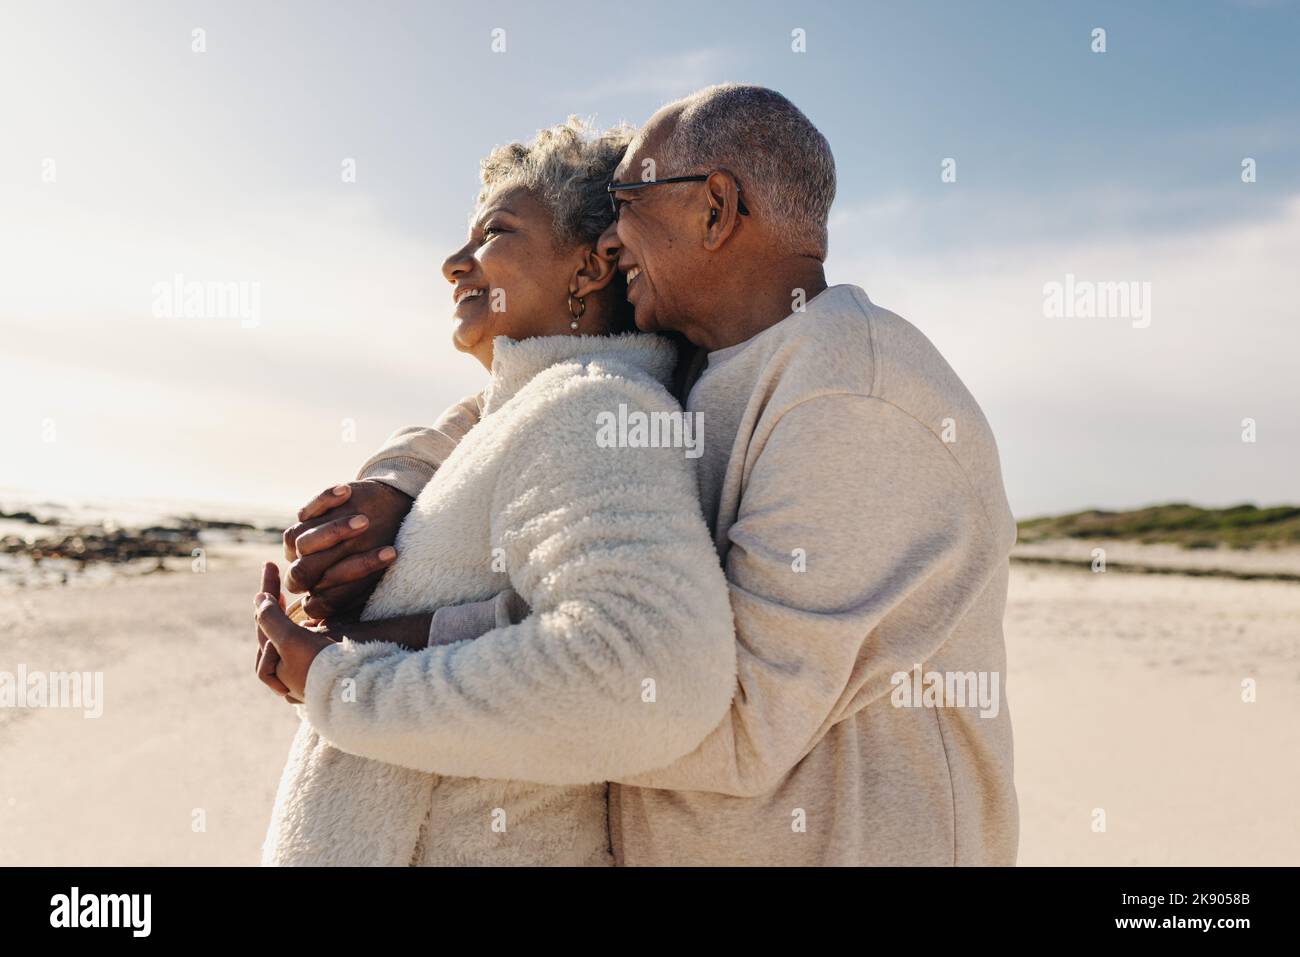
(136, 512)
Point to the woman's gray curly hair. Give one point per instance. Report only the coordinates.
(567, 167)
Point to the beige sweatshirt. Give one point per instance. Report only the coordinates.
(855, 496)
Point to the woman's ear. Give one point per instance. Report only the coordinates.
(594, 274)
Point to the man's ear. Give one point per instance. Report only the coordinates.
(594, 274)
(723, 196)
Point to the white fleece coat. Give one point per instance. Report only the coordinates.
(495, 751)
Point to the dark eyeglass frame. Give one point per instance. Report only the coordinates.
(614, 187)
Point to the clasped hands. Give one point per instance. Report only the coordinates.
(338, 550)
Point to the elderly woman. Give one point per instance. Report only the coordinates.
(435, 751)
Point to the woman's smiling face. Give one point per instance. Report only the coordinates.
(509, 279)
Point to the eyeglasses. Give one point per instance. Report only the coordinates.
(615, 202)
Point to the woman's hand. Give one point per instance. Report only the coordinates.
(285, 650)
(267, 657)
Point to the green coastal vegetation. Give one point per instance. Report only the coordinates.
(1242, 526)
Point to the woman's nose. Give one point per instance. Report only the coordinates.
(456, 265)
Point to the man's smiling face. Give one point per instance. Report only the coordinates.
(654, 236)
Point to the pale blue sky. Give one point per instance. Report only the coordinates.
(225, 165)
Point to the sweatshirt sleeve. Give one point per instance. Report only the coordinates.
(410, 455)
(453, 623)
(627, 659)
(858, 547)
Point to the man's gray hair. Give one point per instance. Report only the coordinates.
(566, 167)
(783, 163)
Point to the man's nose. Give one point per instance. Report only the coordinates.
(609, 245)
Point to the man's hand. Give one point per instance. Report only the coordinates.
(342, 544)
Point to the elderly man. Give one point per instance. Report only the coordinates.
(854, 491)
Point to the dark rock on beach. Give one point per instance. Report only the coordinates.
(113, 544)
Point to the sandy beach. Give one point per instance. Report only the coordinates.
(1126, 695)
(1125, 692)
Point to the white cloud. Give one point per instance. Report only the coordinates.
(354, 326)
(1095, 411)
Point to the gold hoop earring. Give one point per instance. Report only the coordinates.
(576, 313)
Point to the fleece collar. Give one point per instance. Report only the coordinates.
(516, 361)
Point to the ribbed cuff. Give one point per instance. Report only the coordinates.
(453, 623)
(405, 474)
